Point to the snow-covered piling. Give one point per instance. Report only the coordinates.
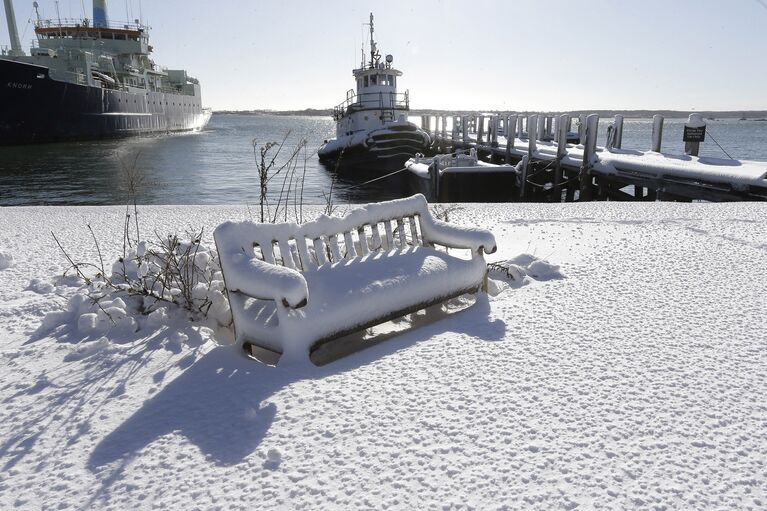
(657, 133)
(532, 135)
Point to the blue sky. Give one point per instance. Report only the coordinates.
(513, 54)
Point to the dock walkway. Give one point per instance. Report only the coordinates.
(568, 171)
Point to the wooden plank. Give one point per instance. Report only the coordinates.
(363, 240)
(389, 235)
(303, 252)
(319, 252)
(287, 254)
(377, 244)
(335, 251)
(351, 252)
(401, 231)
(413, 231)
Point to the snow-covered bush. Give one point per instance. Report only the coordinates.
(520, 271)
(152, 282)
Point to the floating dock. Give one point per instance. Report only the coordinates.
(559, 164)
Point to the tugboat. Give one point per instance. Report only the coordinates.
(90, 79)
(372, 130)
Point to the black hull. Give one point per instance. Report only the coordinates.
(383, 151)
(35, 108)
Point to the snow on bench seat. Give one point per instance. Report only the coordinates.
(293, 286)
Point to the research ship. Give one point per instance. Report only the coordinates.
(89, 79)
(372, 129)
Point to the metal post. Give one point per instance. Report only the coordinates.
(480, 129)
(494, 122)
(657, 133)
(465, 129)
(541, 128)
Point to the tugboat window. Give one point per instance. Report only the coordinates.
(373, 79)
(366, 81)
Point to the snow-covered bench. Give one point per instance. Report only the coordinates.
(292, 287)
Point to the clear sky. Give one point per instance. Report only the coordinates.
(512, 54)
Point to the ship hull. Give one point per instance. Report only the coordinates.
(35, 108)
(381, 150)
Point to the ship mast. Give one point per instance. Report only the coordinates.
(374, 55)
(13, 32)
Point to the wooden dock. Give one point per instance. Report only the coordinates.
(562, 164)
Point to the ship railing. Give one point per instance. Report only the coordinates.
(66, 23)
(378, 100)
(4, 50)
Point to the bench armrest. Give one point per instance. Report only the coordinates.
(456, 236)
(258, 279)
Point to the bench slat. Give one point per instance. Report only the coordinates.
(351, 252)
(287, 254)
(389, 235)
(376, 237)
(334, 249)
(363, 240)
(319, 252)
(401, 230)
(268, 253)
(303, 253)
(413, 231)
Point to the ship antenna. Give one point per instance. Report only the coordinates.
(372, 43)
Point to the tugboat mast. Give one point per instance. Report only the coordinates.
(374, 55)
(13, 32)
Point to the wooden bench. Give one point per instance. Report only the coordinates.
(293, 287)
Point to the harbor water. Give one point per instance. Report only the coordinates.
(218, 165)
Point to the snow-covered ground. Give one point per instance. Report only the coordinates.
(632, 377)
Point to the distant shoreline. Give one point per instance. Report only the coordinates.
(642, 114)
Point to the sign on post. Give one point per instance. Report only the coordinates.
(694, 134)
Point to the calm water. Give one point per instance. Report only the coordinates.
(217, 166)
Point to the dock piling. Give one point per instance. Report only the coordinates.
(561, 136)
(589, 157)
(694, 121)
(511, 129)
(618, 126)
(523, 176)
(532, 135)
(657, 133)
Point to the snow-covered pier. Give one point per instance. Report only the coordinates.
(563, 164)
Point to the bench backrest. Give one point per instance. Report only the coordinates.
(384, 226)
